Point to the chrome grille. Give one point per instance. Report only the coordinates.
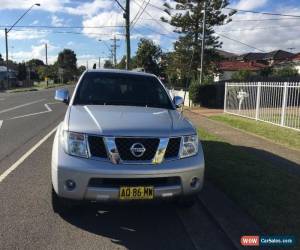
(124, 144)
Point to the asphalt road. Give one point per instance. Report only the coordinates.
(27, 220)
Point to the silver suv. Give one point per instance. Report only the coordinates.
(123, 139)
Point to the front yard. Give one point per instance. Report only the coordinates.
(268, 193)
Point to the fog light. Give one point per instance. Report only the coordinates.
(70, 184)
(194, 183)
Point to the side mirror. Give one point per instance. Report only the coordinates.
(62, 95)
(178, 101)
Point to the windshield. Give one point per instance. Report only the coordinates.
(100, 88)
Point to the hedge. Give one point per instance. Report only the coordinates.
(209, 95)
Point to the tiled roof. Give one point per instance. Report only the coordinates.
(238, 65)
(296, 57)
(273, 55)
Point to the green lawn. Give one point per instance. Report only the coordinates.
(284, 136)
(269, 194)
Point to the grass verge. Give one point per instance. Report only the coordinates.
(269, 194)
(284, 136)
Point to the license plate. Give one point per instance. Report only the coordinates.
(136, 193)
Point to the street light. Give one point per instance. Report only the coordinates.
(6, 43)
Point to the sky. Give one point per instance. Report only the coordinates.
(103, 19)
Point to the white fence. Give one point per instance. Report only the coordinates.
(274, 102)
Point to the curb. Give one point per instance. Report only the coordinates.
(232, 220)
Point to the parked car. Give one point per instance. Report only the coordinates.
(122, 139)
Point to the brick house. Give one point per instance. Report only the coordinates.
(228, 68)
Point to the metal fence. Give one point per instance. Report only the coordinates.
(274, 102)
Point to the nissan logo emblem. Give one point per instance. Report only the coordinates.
(137, 150)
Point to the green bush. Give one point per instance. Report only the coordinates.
(286, 72)
(194, 92)
(207, 95)
(241, 75)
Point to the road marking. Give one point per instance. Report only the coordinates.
(1, 122)
(26, 155)
(38, 113)
(20, 106)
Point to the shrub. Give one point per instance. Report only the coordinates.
(194, 92)
(241, 75)
(286, 72)
(209, 95)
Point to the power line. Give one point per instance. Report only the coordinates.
(142, 12)
(250, 46)
(152, 17)
(157, 32)
(263, 13)
(121, 6)
(137, 14)
(260, 28)
(265, 19)
(69, 32)
(65, 27)
(156, 7)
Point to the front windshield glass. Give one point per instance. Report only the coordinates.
(101, 88)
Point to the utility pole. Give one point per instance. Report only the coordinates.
(46, 51)
(6, 46)
(114, 50)
(6, 43)
(126, 15)
(127, 21)
(203, 41)
(99, 64)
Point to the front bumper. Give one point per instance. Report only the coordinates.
(81, 171)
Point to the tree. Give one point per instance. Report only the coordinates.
(34, 63)
(22, 72)
(122, 63)
(187, 21)
(148, 56)
(241, 75)
(67, 61)
(108, 64)
(81, 69)
(1, 60)
(266, 72)
(50, 71)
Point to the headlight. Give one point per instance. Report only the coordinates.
(75, 143)
(189, 146)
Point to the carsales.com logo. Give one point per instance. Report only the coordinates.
(274, 240)
(250, 240)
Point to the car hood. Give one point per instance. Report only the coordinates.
(127, 121)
